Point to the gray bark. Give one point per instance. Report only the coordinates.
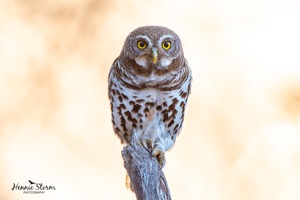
(147, 179)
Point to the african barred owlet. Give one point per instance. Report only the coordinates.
(149, 84)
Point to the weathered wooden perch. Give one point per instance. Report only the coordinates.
(146, 177)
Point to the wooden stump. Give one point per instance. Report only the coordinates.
(147, 179)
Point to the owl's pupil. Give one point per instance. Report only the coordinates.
(167, 45)
(141, 44)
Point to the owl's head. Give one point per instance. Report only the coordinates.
(152, 50)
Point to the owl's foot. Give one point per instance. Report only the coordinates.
(160, 156)
(155, 150)
(147, 143)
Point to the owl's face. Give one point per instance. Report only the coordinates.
(152, 50)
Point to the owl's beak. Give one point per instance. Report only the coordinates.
(154, 55)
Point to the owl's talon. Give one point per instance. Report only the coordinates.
(160, 156)
(147, 143)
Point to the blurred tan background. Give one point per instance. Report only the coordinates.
(241, 136)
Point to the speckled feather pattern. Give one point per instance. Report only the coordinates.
(149, 101)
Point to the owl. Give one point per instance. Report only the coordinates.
(148, 88)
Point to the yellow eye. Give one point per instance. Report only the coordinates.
(141, 44)
(166, 45)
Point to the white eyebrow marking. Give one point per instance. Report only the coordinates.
(162, 38)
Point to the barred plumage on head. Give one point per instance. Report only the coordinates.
(148, 87)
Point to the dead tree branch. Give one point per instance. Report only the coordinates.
(146, 177)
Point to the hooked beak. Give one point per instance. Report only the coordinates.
(154, 55)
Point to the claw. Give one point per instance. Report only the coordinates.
(160, 156)
(147, 143)
(155, 149)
